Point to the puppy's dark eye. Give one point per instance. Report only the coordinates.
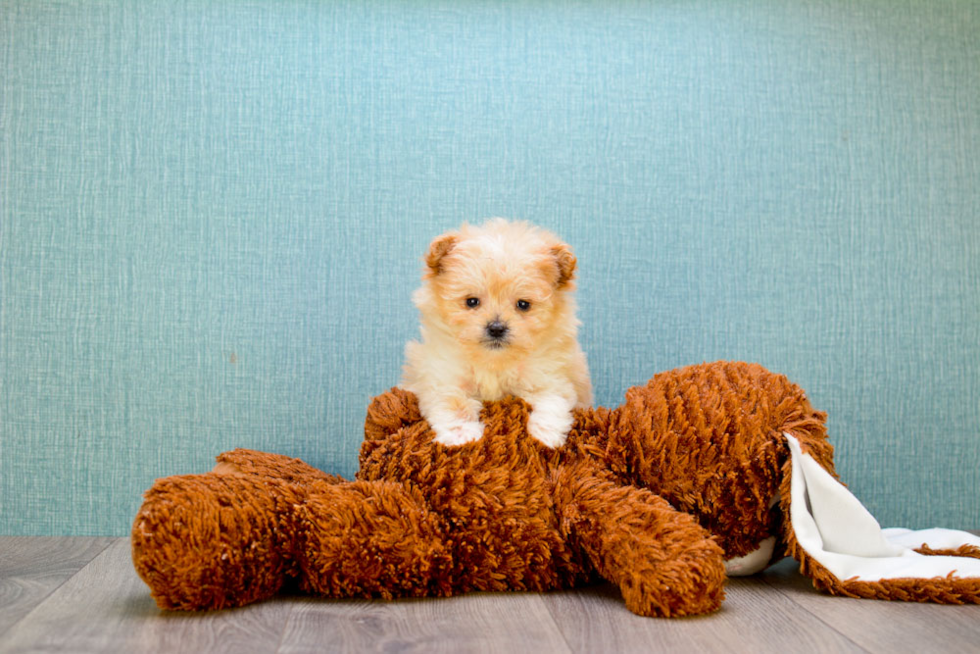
(523, 305)
(472, 302)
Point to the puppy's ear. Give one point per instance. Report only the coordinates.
(438, 249)
(566, 264)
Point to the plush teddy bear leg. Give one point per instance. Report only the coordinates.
(271, 466)
(215, 540)
(371, 539)
(664, 563)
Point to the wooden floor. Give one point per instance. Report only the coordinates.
(82, 595)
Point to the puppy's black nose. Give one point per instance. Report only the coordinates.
(497, 329)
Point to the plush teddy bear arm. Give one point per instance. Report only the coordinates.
(389, 412)
(664, 563)
(371, 539)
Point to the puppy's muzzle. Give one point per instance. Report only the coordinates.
(497, 332)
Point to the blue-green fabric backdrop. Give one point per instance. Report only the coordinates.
(213, 212)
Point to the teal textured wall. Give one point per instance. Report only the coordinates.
(213, 212)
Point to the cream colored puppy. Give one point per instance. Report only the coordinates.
(498, 318)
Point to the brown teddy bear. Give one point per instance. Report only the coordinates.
(698, 471)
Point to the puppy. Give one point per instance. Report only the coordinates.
(498, 318)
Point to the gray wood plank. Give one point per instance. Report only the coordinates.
(31, 567)
(881, 626)
(752, 619)
(480, 622)
(105, 607)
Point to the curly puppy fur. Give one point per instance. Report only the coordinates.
(497, 319)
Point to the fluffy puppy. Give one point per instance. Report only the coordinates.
(498, 318)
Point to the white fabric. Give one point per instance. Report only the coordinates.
(753, 562)
(937, 539)
(834, 528)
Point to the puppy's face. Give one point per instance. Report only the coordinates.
(501, 288)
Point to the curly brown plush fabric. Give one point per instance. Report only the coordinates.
(652, 496)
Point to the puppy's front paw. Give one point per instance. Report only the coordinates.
(550, 419)
(548, 432)
(458, 433)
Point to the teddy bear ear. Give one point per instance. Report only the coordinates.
(566, 264)
(438, 249)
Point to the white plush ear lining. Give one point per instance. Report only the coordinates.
(838, 532)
